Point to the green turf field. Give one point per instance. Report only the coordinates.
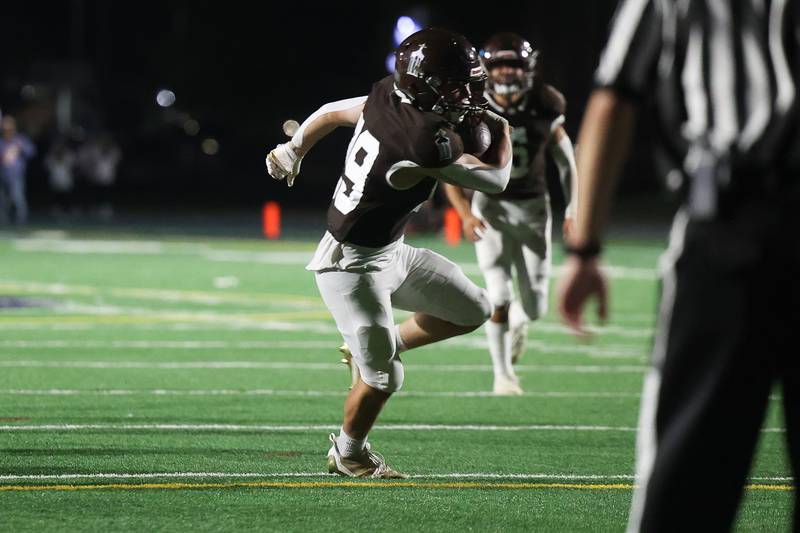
(179, 384)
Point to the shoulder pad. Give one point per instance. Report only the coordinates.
(552, 100)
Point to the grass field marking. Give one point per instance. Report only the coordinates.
(472, 343)
(126, 318)
(286, 365)
(386, 484)
(147, 293)
(325, 427)
(307, 427)
(256, 320)
(301, 393)
(233, 475)
(287, 257)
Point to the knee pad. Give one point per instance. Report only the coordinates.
(387, 379)
(485, 306)
(377, 359)
(498, 287)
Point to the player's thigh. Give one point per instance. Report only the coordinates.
(532, 264)
(361, 306)
(437, 286)
(495, 259)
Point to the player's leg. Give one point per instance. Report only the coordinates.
(531, 256)
(493, 252)
(704, 399)
(444, 301)
(361, 307)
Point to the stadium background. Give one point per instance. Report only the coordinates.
(237, 72)
(169, 369)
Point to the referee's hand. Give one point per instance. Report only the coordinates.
(580, 280)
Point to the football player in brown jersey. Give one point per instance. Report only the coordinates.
(404, 143)
(511, 229)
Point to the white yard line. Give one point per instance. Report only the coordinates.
(294, 393)
(276, 428)
(471, 343)
(113, 247)
(234, 475)
(279, 428)
(287, 365)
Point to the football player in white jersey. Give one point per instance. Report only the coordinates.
(405, 142)
(511, 229)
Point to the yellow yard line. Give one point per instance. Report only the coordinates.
(346, 484)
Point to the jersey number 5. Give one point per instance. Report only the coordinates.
(361, 155)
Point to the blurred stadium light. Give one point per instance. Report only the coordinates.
(210, 146)
(404, 27)
(165, 98)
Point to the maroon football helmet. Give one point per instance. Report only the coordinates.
(513, 50)
(439, 70)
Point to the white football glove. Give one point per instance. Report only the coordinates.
(284, 163)
(493, 119)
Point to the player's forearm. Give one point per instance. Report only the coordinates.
(604, 138)
(564, 156)
(458, 199)
(472, 173)
(326, 119)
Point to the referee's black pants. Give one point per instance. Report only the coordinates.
(729, 330)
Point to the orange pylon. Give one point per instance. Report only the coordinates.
(271, 215)
(452, 226)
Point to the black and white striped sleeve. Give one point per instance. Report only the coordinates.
(628, 62)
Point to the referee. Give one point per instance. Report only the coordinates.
(723, 77)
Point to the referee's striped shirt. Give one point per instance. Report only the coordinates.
(725, 75)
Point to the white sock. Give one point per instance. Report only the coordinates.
(348, 446)
(398, 340)
(499, 340)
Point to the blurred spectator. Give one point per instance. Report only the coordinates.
(97, 161)
(60, 162)
(15, 151)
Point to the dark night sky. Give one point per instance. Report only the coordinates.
(241, 68)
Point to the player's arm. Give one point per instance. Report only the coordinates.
(284, 160)
(563, 154)
(473, 226)
(604, 138)
(489, 174)
(626, 75)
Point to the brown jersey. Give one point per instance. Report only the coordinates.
(366, 210)
(532, 120)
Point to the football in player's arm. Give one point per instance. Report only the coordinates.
(404, 143)
(511, 229)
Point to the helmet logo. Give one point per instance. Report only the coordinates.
(415, 60)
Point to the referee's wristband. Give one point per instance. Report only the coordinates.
(587, 251)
